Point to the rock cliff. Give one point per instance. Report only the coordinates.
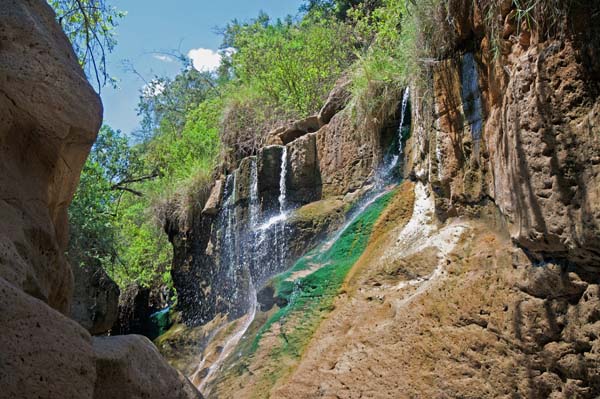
(300, 182)
(49, 118)
(520, 128)
(478, 279)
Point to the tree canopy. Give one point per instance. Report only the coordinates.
(89, 25)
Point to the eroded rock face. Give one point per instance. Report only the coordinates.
(44, 354)
(304, 177)
(346, 156)
(336, 101)
(547, 149)
(131, 367)
(134, 311)
(49, 118)
(521, 129)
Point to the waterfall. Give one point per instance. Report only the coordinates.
(282, 178)
(227, 222)
(471, 99)
(405, 98)
(254, 202)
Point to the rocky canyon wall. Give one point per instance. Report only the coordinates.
(490, 288)
(518, 125)
(275, 206)
(49, 118)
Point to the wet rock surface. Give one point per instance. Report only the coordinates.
(518, 129)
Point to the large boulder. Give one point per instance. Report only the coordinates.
(49, 118)
(337, 100)
(44, 354)
(131, 367)
(95, 299)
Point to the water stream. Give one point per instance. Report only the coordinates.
(254, 256)
(282, 181)
(231, 343)
(405, 98)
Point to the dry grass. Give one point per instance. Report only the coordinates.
(247, 120)
(189, 197)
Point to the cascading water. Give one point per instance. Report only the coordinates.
(282, 181)
(405, 98)
(254, 201)
(231, 343)
(228, 241)
(393, 160)
(248, 254)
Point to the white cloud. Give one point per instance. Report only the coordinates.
(204, 59)
(163, 57)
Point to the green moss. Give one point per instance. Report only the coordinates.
(310, 298)
(318, 210)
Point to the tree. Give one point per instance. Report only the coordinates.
(292, 64)
(94, 208)
(165, 102)
(89, 25)
(339, 8)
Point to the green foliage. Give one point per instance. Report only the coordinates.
(165, 103)
(119, 208)
(89, 25)
(144, 251)
(339, 8)
(179, 154)
(290, 64)
(93, 231)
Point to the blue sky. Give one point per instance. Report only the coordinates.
(154, 26)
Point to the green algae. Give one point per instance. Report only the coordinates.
(310, 297)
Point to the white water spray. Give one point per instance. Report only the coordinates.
(231, 342)
(254, 202)
(405, 98)
(282, 178)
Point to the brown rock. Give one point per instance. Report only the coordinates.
(96, 298)
(303, 178)
(49, 117)
(537, 153)
(213, 204)
(131, 367)
(290, 132)
(543, 180)
(346, 156)
(337, 100)
(44, 354)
